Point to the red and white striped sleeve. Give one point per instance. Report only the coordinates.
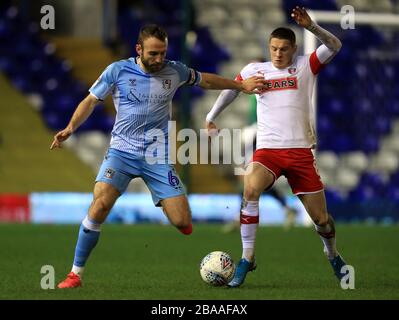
(320, 57)
(315, 64)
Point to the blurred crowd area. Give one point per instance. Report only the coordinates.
(357, 101)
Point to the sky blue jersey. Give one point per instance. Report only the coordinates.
(143, 102)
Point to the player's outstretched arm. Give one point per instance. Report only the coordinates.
(213, 81)
(225, 98)
(331, 44)
(82, 112)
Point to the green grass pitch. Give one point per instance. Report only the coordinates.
(157, 262)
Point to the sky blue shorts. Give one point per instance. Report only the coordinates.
(119, 168)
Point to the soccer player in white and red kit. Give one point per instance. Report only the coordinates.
(285, 136)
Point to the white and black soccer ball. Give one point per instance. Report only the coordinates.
(217, 268)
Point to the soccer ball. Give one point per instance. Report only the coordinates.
(217, 268)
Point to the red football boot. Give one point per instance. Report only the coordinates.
(72, 281)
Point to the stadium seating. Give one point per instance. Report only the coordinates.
(33, 67)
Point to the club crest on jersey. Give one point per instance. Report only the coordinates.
(166, 84)
(292, 70)
(109, 173)
(193, 77)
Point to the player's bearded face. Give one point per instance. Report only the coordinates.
(281, 52)
(152, 54)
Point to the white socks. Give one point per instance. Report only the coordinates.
(249, 219)
(327, 235)
(78, 270)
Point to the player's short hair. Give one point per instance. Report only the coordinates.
(284, 33)
(152, 30)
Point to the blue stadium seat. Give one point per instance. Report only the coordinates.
(4, 30)
(341, 142)
(365, 106)
(332, 106)
(55, 120)
(373, 179)
(362, 70)
(330, 72)
(381, 125)
(355, 38)
(362, 193)
(394, 180)
(369, 143)
(325, 125)
(22, 83)
(393, 193)
(333, 196)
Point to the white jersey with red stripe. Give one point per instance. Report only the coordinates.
(285, 114)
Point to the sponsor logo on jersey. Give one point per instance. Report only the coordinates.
(166, 84)
(291, 70)
(281, 84)
(131, 96)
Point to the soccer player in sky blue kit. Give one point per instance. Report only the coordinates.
(142, 88)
